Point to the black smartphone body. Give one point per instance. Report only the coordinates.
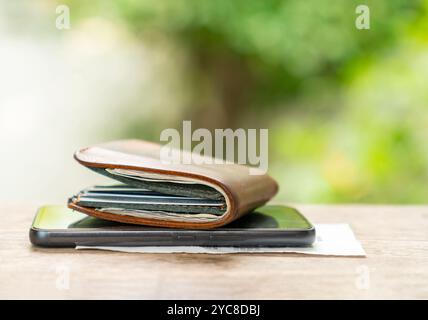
(268, 226)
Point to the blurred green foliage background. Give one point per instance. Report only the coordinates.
(347, 109)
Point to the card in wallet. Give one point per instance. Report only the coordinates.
(177, 195)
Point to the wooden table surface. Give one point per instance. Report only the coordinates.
(394, 237)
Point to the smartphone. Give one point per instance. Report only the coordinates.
(268, 226)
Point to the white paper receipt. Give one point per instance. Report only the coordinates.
(331, 240)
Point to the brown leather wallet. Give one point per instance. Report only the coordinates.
(177, 195)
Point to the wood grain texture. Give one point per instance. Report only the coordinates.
(394, 237)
